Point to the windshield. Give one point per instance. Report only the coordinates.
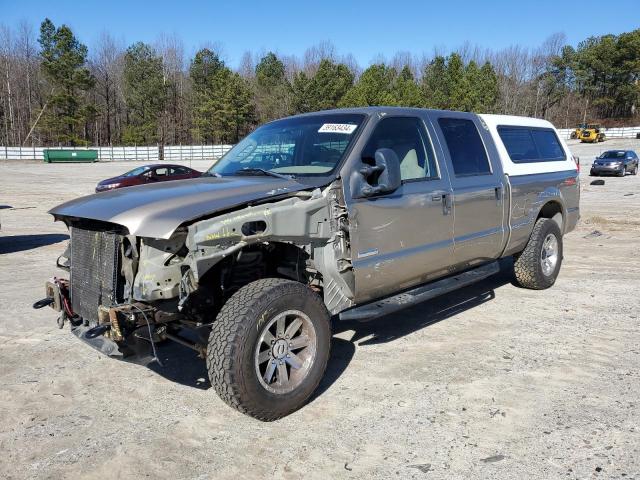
(299, 146)
(613, 155)
(135, 172)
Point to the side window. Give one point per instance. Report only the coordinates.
(179, 171)
(161, 172)
(548, 144)
(465, 146)
(408, 138)
(519, 143)
(531, 144)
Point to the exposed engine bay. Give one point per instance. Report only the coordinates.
(125, 293)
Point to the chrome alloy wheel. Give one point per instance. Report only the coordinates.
(286, 351)
(549, 254)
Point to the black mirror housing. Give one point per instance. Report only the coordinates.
(383, 177)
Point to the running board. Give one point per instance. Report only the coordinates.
(369, 311)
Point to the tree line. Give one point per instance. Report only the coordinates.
(55, 91)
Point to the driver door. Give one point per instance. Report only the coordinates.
(403, 238)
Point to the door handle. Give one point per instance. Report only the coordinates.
(446, 204)
(498, 191)
(445, 198)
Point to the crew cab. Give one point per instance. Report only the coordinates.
(345, 214)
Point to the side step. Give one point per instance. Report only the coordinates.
(369, 311)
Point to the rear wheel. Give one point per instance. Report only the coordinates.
(538, 265)
(269, 348)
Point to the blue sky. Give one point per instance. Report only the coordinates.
(363, 28)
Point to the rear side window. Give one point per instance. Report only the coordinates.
(465, 147)
(530, 144)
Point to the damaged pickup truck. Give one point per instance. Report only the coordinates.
(337, 215)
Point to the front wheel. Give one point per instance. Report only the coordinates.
(269, 348)
(538, 265)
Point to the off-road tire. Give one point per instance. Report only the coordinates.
(526, 264)
(233, 339)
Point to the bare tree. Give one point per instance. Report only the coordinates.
(106, 65)
(315, 54)
(173, 124)
(247, 68)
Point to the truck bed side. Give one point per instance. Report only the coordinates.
(538, 188)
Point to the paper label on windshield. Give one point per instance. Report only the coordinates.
(345, 128)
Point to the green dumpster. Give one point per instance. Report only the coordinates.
(59, 156)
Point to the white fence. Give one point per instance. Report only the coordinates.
(621, 132)
(198, 152)
(172, 153)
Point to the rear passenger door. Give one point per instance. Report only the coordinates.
(161, 174)
(478, 188)
(179, 173)
(402, 238)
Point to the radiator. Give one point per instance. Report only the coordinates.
(95, 278)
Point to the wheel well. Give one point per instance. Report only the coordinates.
(552, 210)
(262, 260)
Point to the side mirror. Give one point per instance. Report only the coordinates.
(383, 177)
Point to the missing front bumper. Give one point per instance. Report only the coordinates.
(134, 349)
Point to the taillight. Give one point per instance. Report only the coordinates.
(577, 160)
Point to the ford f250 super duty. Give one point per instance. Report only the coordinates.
(337, 215)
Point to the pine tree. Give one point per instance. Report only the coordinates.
(222, 101)
(472, 88)
(488, 81)
(322, 91)
(300, 93)
(273, 92)
(63, 63)
(456, 82)
(239, 110)
(209, 77)
(407, 91)
(435, 86)
(374, 87)
(145, 94)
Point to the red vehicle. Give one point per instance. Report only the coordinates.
(160, 172)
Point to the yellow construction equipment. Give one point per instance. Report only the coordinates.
(592, 134)
(577, 133)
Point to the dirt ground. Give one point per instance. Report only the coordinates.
(492, 381)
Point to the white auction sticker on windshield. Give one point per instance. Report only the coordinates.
(345, 128)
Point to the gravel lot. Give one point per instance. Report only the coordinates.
(492, 381)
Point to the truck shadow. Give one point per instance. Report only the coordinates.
(20, 243)
(397, 325)
(182, 365)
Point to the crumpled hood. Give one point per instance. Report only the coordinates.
(157, 210)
